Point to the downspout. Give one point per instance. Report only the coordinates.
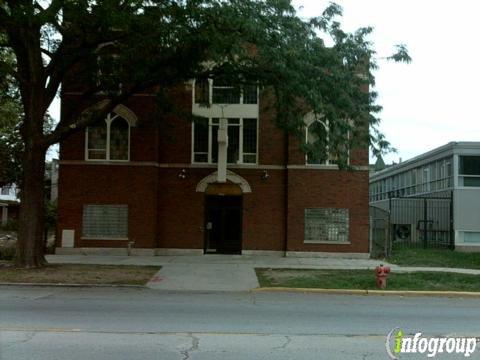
(285, 191)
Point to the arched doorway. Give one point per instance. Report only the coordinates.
(223, 213)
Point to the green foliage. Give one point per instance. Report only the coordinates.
(51, 215)
(7, 253)
(10, 118)
(11, 225)
(158, 43)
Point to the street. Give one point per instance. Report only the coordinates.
(128, 323)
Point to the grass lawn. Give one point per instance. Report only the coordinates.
(365, 280)
(79, 274)
(435, 257)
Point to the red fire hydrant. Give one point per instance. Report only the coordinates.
(381, 274)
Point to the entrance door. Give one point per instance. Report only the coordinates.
(223, 224)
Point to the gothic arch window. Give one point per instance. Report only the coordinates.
(109, 140)
(318, 142)
(316, 137)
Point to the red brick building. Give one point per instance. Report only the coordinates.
(135, 182)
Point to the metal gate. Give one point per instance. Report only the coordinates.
(421, 222)
(380, 244)
(411, 222)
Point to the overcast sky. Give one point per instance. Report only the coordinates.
(435, 99)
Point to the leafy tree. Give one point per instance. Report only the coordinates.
(10, 117)
(157, 44)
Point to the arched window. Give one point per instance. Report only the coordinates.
(97, 142)
(119, 138)
(317, 142)
(320, 150)
(109, 140)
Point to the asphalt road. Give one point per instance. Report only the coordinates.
(114, 323)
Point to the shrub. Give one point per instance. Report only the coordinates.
(7, 253)
(11, 225)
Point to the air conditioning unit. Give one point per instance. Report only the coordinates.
(404, 232)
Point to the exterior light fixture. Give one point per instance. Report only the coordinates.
(182, 174)
(265, 175)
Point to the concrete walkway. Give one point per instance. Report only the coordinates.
(229, 272)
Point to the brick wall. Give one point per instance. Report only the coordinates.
(166, 211)
(328, 189)
(98, 184)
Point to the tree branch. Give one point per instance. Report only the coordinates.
(4, 19)
(89, 116)
(50, 13)
(65, 58)
(46, 52)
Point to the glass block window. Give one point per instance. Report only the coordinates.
(326, 225)
(105, 221)
(109, 140)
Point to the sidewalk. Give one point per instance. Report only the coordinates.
(229, 272)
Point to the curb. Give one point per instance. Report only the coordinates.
(372, 292)
(75, 285)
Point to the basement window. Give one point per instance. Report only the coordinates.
(326, 225)
(105, 222)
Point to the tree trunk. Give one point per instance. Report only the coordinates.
(30, 249)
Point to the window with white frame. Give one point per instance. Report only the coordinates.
(209, 91)
(469, 171)
(242, 140)
(109, 140)
(105, 221)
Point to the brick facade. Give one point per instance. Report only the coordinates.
(166, 211)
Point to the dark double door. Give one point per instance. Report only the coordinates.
(223, 224)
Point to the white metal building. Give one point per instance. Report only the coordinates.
(453, 168)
